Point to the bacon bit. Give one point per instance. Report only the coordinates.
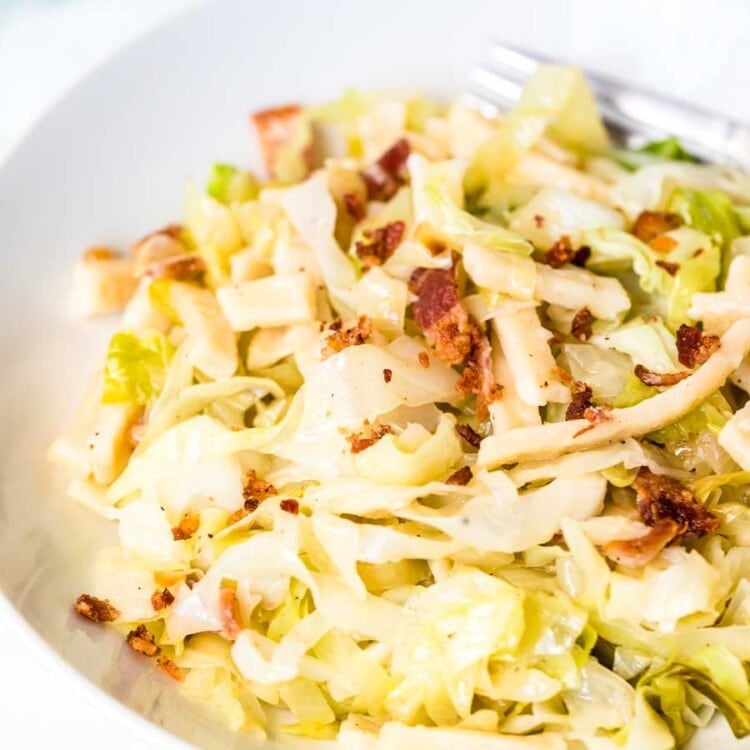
(257, 489)
(560, 253)
(99, 252)
(580, 328)
(383, 241)
(469, 434)
(440, 315)
(462, 477)
(341, 339)
(580, 401)
(384, 177)
(456, 337)
(240, 513)
(229, 613)
(478, 377)
(188, 525)
(354, 206)
(387, 375)
(370, 435)
(290, 506)
(635, 553)
(663, 244)
(539, 220)
(649, 377)
(277, 127)
(650, 224)
(169, 667)
(96, 610)
(670, 268)
(694, 347)
(424, 360)
(185, 267)
(661, 497)
(161, 599)
(142, 641)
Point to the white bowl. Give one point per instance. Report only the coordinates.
(109, 163)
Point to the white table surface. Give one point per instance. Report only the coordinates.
(45, 47)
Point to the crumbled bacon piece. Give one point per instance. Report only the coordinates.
(387, 374)
(663, 244)
(276, 128)
(461, 477)
(369, 435)
(142, 641)
(478, 377)
(188, 525)
(96, 610)
(661, 497)
(469, 434)
(649, 377)
(257, 489)
(635, 553)
(580, 328)
(438, 312)
(381, 244)
(340, 338)
(185, 267)
(424, 359)
(560, 253)
(229, 613)
(454, 334)
(650, 224)
(384, 177)
(670, 268)
(580, 401)
(694, 347)
(161, 599)
(354, 207)
(240, 513)
(290, 506)
(169, 667)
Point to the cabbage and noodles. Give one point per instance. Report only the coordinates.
(437, 437)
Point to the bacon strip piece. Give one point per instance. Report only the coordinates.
(276, 128)
(580, 401)
(635, 553)
(650, 224)
(659, 497)
(694, 347)
(442, 318)
(670, 509)
(384, 177)
(96, 610)
(380, 244)
(454, 334)
(649, 377)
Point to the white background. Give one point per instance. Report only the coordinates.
(46, 46)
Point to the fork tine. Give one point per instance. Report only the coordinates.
(495, 88)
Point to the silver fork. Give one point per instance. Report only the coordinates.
(632, 116)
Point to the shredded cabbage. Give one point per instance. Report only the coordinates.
(426, 447)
